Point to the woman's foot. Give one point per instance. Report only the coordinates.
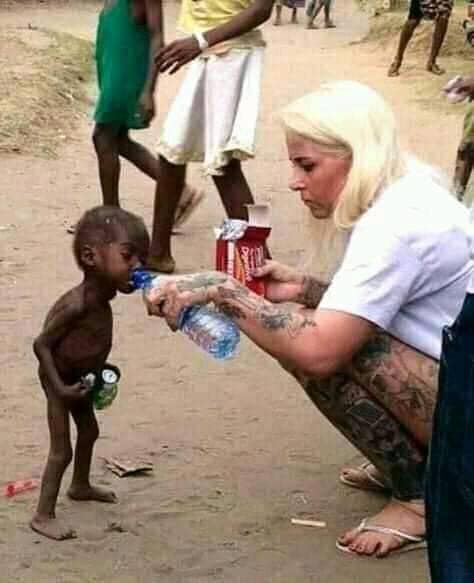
(311, 26)
(164, 264)
(329, 24)
(435, 69)
(92, 493)
(394, 69)
(52, 527)
(364, 477)
(406, 518)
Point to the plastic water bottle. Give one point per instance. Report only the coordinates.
(210, 329)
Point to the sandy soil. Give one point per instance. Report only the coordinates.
(237, 447)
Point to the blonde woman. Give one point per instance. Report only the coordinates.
(365, 342)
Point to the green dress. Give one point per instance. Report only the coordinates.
(122, 59)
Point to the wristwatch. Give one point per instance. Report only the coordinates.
(201, 40)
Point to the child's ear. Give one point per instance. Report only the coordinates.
(88, 256)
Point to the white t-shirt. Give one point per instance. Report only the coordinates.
(407, 264)
(470, 287)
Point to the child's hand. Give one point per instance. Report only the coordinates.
(75, 392)
(146, 107)
(176, 54)
(283, 283)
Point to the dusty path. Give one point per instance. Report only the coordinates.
(238, 448)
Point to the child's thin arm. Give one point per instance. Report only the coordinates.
(57, 327)
(255, 15)
(154, 22)
(176, 54)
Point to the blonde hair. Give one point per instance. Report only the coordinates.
(347, 119)
(350, 119)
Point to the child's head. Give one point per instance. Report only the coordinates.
(110, 241)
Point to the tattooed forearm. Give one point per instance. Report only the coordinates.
(200, 280)
(238, 302)
(311, 292)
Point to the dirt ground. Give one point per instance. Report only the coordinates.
(237, 448)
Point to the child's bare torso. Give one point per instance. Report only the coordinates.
(85, 347)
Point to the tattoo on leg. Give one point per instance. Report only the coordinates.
(372, 430)
(398, 376)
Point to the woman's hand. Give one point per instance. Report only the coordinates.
(283, 283)
(174, 294)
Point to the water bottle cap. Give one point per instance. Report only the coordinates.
(140, 278)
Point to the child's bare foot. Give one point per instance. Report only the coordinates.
(52, 528)
(277, 22)
(161, 264)
(394, 69)
(311, 26)
(92, 493)
(435, 69)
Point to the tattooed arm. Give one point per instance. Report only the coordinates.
(319, 342)
(285, 284)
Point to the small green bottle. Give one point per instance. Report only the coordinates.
(104, 385)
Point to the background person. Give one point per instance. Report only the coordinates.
(214, 115)
(437, 10)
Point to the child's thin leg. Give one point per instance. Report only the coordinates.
(169, 187)
(328, 23)
(105, 140)
(60, 454)
(294, 15)
(138, 155)
(314, 14)
(278, 8)
(234, 190)
(87, 434)
(144, 160)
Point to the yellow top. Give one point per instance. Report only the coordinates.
(202, 15)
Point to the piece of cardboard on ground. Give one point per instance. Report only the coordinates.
(124, 467)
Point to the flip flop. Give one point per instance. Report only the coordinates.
(374, 484)
(190, 200)
(409, 542)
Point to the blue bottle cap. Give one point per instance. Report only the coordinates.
(141, 278)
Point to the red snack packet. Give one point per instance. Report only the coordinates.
(240, 246)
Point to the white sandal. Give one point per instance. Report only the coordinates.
(374, 484)
(410, 542)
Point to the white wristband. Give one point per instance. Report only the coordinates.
(201, 40)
